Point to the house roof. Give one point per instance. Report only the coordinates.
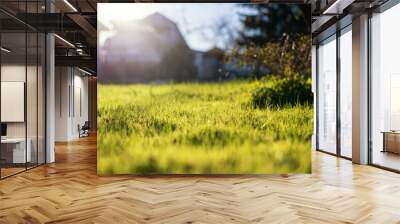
(158, 19)
(215, 51)
(101, 26)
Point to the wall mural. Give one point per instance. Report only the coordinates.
(204, 89)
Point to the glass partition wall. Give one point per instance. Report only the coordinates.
(385, 89)
(334, 93)
(334, 89)
(13, 90)
(22, 90)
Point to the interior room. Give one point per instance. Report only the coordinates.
(35, 113)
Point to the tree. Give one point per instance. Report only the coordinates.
(264, 23)
(291, 57)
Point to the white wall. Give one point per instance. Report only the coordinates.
(33, 126)
(12, 73)
(71, 87)
(62, 82)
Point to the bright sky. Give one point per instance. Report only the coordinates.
(190, 17)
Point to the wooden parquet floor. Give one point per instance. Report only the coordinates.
(69, 191)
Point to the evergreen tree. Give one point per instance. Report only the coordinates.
(264, 23)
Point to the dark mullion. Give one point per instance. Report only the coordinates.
(45, 96)
(26, 86)
(69, 92)
(80, 103)
(37, 90)
(369, 89)
(45, 91)
(60, 87)
(338, 77)
(334, 154)
(317, 97)
(0, 93)
(73, 92)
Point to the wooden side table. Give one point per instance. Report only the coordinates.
(391, 141)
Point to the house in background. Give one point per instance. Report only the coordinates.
(150, 49)
(153, 50)
(209, 64)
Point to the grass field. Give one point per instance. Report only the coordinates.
(198, 128)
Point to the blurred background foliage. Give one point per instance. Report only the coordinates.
(278, 92)
(277, 36)
(263, 23)
(289, 58)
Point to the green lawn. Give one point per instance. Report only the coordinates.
(198, 128)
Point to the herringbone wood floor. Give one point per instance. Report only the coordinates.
(69, 191)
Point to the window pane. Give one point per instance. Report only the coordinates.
(31, 97)
(327, 96)
(41, 98)
(386, 88)
(346, 93)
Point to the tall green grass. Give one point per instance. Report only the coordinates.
(198, 128)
